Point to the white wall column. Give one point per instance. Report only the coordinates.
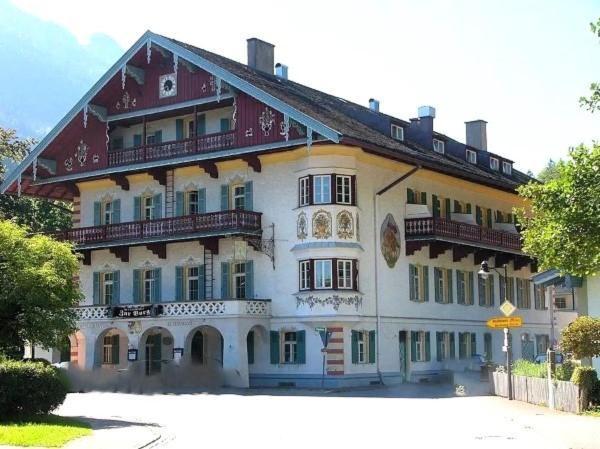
(235, 356)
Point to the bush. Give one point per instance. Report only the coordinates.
(29, 389)
(585, 376)
(526, 368)
(564, 371)
(595, 394)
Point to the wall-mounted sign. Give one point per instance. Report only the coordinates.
(136, 311)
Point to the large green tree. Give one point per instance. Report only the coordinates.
(562, 226)
(592, 103)
(37, 288)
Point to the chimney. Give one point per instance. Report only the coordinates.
(374, 104)
(281, 71)
(426, 116)
(261, 55)
(476, 134)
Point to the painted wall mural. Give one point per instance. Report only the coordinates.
(345, 225)
(321, 224)
(390, 240)
(302, 226)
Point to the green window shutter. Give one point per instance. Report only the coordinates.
(436, 284)
(137, 284)
(436, 205)
(97, 213)
(137, 208)
(423, 197)
(116, 287)
(224, 125)
(449, 288)
(493, 291)
(158, 136)
(439, 336)
(471, 288)
(468, 211)
(413, 346)
(452, 346)
(354, 339)
(301, 347)
(473, 343)
(116, 215)
(457, 207)
(489, 218)
(448, 212)
(499, 217)
(460, 276)
(411, 282)
(481, 290)
(248, 196)
(461, 345)
(250, 347)
(225, 290)
(225, 197)
(137, 140)
(156, 294)
(179, 287)
(157, 206)
(179, 129)
(179, 203)
(274, 347)
(425, 283)
(478, 215)
(410, 196)
(202, 201)
(519, 294)
(115, 349)
(201, 282)
(427, 347)
(372, 347)
(201, 125)
(249, 279)
(96, 292)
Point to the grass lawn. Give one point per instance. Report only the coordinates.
(49, 431)
(594, 411)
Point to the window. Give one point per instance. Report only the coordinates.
(542, 342)
(304, 191)
(239, 197)
(107, 212)
(507, 168)
(494, 163)
(323, 275)
(290, 347)
(418, 280)
(305, 275)
(191, 129)
(487, 346)
(189, 283)
(193, 283)
(471, 157)
(397, 132)
(150, 139)
(467, 345)
(438, 146)
(443, 285)
(464, 287)
(420, 343)
(116, 143)
(510, 295)
(148, 286)
(343, 189)
(486, 290)
(344, 268)
(107, 288)
(110, 350)
(322, 189)
(539, 293)
(445, 345)
(523, 295)
(416, 197)
(441, 207)
(362, 347)
(239, 280)
(560, 302)
(191, 202)
(147, 208)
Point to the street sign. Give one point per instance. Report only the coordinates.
(501, 322)
(507, 308)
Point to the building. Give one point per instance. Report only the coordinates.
(228, 218)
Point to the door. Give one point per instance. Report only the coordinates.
(403, 356)
(153, 354)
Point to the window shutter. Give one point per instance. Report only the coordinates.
(202, 201)
(157, 286)
(468, 211)
(427, 347)
(96, 292)
(115, 349)
(354, 339)
(224, 125)
(353, 190)
(449, 287)
(137, 283)
(410, 196)
(489, 217)
(448, 212)
(274, 347)
(311, 269)
(179, 284)
(478, 216)
(201, 125)
(334, 274)
(249, 279)
(250, 347)
(225, 290)
(435, 205)
(179, 203)
(116, 215)
(248, 196)
(499, 217)
(436, 284)
(425, 269)
(452, 345)
(372, 347)
(355, 274)
(157, 206)
(411, 282)
(116, 287)
(137, 208)
(460, 276)
(492, 291)
(225, 197)
(457, 207)
(137, 140)
(333, 189)
(473, 343)
(461, 345)
(471, 289)
(301, 346)
(158, 136)
(97, 213)
(413, 346)
(179, 129)
(310, 189)
(519, 294)
(481, 290)
(201, 282)
(439, 336)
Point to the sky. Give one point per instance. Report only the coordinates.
(520, 65)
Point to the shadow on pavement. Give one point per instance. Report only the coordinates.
(100, 424)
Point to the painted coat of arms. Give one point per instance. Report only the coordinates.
(390, 241)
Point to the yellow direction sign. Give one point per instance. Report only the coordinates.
(500, 322)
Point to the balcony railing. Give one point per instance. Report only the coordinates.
(168, 150)
(212, 222)
(443, 228)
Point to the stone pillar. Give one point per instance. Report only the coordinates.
(88, 361)
(235, 357)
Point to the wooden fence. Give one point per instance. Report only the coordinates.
(535, 391)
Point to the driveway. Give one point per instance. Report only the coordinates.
(395, 417)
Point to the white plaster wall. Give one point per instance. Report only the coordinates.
(593, 303)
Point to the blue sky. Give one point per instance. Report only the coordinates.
(520, 65)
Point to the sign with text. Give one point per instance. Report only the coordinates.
(501, 322)
(132, 311)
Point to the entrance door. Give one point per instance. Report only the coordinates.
(403, 356)
(153, 354)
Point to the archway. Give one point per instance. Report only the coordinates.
(111, 349)
(257, 347)
(156, 348)
(204, 346)
(65, 350)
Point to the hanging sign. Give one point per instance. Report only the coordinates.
(505, 322)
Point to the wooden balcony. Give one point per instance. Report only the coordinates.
(168, 150)
(173, 228)
(444, 230)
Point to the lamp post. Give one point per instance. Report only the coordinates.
(484, 273)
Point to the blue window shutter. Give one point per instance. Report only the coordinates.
(471, 288)
(158, 136)
(449, 286)
(248, 196)
(137, 140)
(116, 287)
(460, 292)
(157, 205)
(372, 347)
(425, 283)
(179, 129)
(137, 208)
(96, 292)
(157, 286)
(179, 287)
(201, 282)
(274, 347)
(461, 345)
(301, 346)
(354, 339)
(225, 290)
(137, 283)
(473, 343)
(413, 346)
(224, 125)
(225, 197)
(436, 284)
(493, 290)
(439, 336)
(249, 279)
(250, 347)
(97, 213)
(202, 201)
(116, 215)
(179, 199)
(427, 347)
(452, 346)
(481, 290)
(411, 282)
(201, 125)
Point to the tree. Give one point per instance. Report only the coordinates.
(592, 103)
(582, 337)
(549, 172)
(37, 288)
(561, 229)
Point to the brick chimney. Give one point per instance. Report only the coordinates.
(261, 55)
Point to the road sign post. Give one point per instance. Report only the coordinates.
(508, 345)
(325, 335)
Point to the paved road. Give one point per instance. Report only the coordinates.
(394, 417)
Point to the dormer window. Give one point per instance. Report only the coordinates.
(438, 146)
(507, 168)
(494, 164)
(471, 157)
(397, 132)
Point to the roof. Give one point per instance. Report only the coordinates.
(554, 277)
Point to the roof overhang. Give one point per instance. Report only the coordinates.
(555, 278)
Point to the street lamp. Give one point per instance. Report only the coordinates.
(485, 273)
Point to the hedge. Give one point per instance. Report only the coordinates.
(29, 389)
